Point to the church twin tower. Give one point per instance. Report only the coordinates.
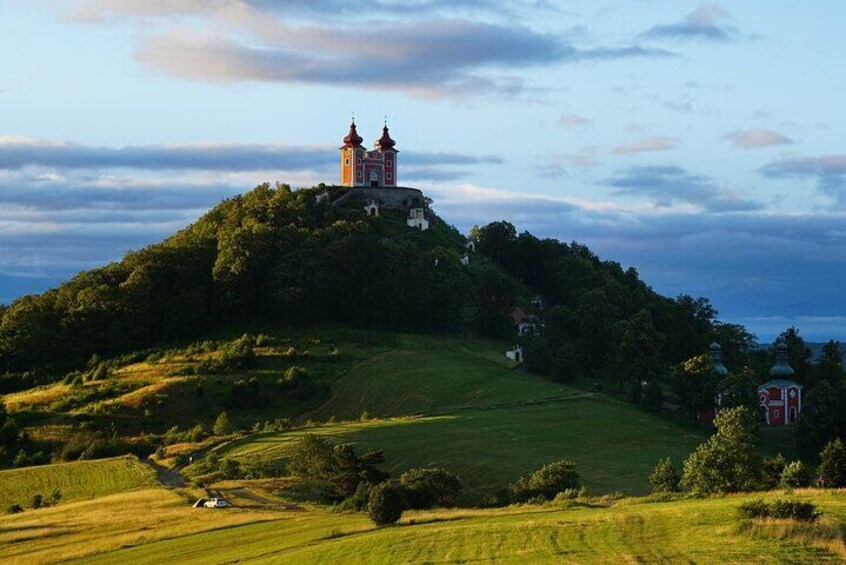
(360, 167)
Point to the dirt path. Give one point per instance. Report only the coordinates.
(167, 477)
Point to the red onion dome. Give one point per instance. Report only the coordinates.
(385, 142)
(353, 139)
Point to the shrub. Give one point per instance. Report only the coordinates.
(554, 477)
(428, 487)
(794, 476)
(832, 467)
(546, 482)
(664, 478)
(357, 501)
(780, 510)
(55, 496)
(14, 509)
(385, 503)
(37, 501)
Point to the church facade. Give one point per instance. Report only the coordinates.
(363, 168)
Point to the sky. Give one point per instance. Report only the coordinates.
(699, 142)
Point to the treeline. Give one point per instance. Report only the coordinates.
(599, 320)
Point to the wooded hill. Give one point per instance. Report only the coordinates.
(285, 256)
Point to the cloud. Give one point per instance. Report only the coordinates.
(104, 11)
(756, 138)
(746, 262)
(706, 22)
(646, 145)
(668, 185)
(574, 121)
(20, 152)
(428, 58)
(828, 170)
(427, 48)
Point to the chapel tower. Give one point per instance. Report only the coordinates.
(363, 168)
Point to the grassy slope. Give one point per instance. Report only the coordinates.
(615, 445)
(695, 531)
(77, 480)
(414, 381)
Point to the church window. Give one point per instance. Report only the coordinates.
(389, 176)
(347, 161)
(775, 413)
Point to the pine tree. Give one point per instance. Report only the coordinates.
(222, 426)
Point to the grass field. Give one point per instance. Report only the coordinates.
(155, 527)
(77, 480)
(615, 445)
(437, 378)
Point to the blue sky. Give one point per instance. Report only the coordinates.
(699, 142)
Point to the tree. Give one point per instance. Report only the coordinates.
(430, 486)
(639, 354)
(664, 477)
(832, 467)
(798, 354)
(334, 469)
(386, 503)
(546, 482)
(738, 389)
(653, 396)
(794, 476)
(728, 460)
(695, 383)
(829, 368)
(37, 501)
(771, 470)
(222, 426)
(820, 421)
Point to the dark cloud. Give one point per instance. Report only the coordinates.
(16, 153)
(666, 185)
(706, 22)
(828, 170)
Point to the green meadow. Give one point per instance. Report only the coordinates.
(77, 480)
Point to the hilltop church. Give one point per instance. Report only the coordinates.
(360, 167)
(371, 176)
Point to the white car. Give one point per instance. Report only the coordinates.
(216, 503)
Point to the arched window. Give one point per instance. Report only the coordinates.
(792, 415)
(374, 178)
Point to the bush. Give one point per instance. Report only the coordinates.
(553, 478)
(780, 510)
(428, 487)
(664, 478)
(833, 464)
(794, 476)
(357, 501)
(653, 396)
(37, 501)
(546, 482)
(55, 496)
(385, 503)
(14, 509)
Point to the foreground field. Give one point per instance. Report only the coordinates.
(157, 526)
(77, 480)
